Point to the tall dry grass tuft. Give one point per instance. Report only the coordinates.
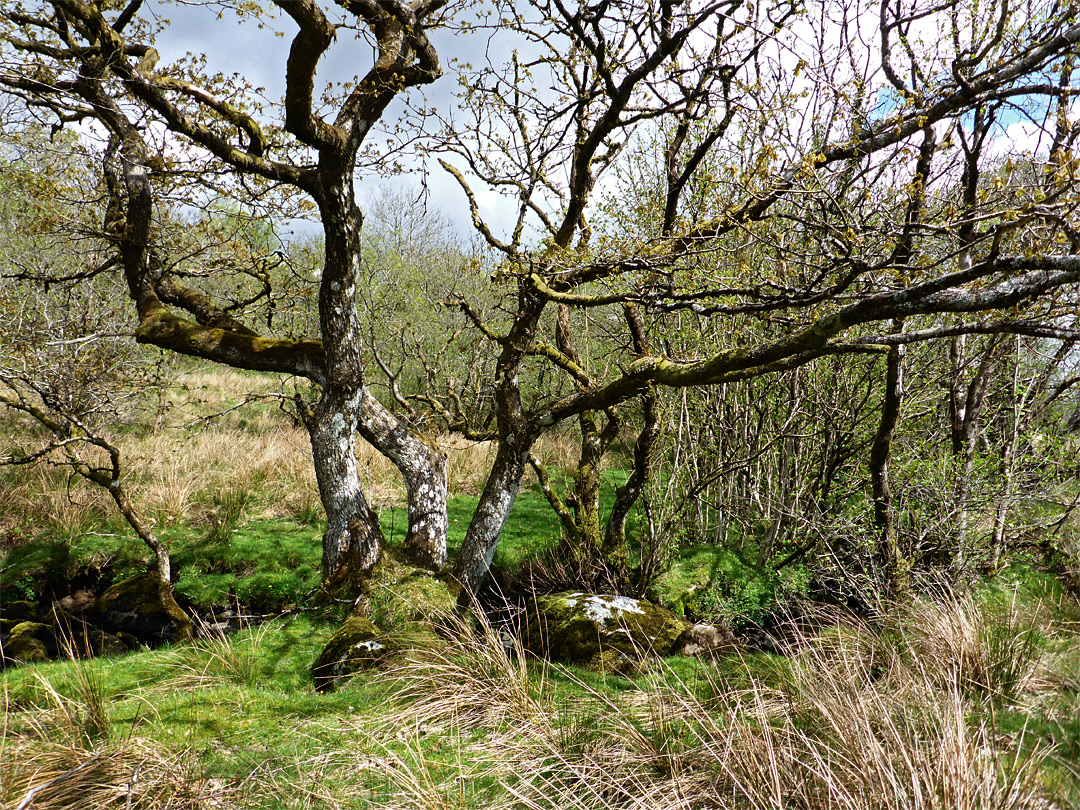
(898, 713)
(994, 650)
(478, 677)
(217, 657)
(45, 774)
(60, 752)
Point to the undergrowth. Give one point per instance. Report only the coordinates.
(955, 700)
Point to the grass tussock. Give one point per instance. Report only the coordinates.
(61, 751)
(216, 658)
(478, 677)
(131, 773)
(907, 712)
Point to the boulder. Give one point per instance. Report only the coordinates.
(27, 642)
(605, 632)
(401, 597)
(357, 645)
(144, 607)
(20, 610)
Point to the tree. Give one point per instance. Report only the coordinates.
(807, 201)
(74, 61)
(807, 186)
(65, 360)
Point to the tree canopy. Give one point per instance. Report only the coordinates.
(723, 190)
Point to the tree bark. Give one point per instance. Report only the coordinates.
(353, 537)
(516, 438)
(482, 537)
(889, 555)
(614, 550)
(423, 466)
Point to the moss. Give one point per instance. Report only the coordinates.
(19, 611)
(400, 596)
(28, 641)
(357, 645)
(24, 649)
(31, 630)
(610, 633)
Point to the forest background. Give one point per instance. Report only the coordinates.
(777, 308)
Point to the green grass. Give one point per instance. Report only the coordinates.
(531, 528)
(719, 585)
(264, 564)
(458, 726)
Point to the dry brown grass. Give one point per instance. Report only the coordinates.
(62, 753)
(133, 773)
(897, 714)
(210, 443)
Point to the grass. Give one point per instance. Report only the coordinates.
(919, 707)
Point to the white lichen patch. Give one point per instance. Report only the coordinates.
(367, 646)
(600, 608)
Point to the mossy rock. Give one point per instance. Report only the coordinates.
(37, 630)
(20, 610)
(357, 645)
(400, 596)
(600, 631)
(24, 650)
(143, 606)
(27, 642)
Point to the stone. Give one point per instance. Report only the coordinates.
(403, 597)
(357, 645)
(20, 610)
(23, 650)
(600, 631)
(27, 642)
(77, 602)
(707, 641)
(143, 606)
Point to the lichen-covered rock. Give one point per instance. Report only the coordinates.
(357, 645)
(610, 633)
(143, 606)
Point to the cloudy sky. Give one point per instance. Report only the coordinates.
(235, 46)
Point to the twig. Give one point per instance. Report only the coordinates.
(30, 794)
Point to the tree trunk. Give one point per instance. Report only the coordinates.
(516, 438)
(615, 552)
(482, 538)
(586, 499)
(353, 537)
(889, 556)
(423, 467)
